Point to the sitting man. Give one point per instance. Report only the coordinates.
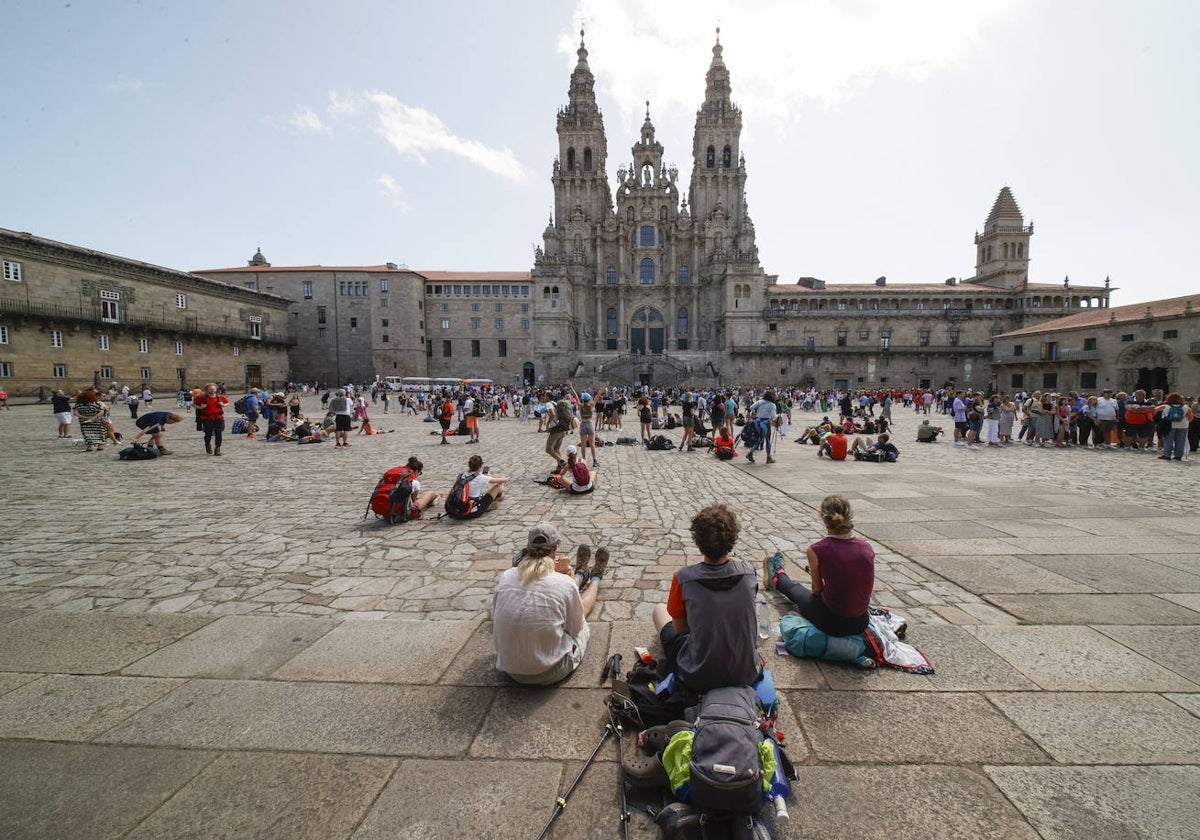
(834, 445)
(485, 490)
(927, 433)
(707, 626)
(540, 610)
(881, 450)
(813, 433)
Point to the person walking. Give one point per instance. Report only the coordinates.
(210, 409)
(60, 404)
(340, 408)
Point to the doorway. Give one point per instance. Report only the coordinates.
(647, 332)
(527, 373)
(1151, 378)
(253, 376)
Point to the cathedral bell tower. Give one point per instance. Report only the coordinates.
(718, 171)
(579, 178)
(1002, 249)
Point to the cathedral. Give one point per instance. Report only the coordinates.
(658, 286)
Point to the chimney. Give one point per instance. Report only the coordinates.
(951, 281)
(881, 281)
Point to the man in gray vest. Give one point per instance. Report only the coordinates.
(708, 625)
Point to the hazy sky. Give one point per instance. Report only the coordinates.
(877, 132)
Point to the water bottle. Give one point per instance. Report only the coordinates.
(764, 620)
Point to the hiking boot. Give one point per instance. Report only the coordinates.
(582, 556)
(217, 451)
(601, 564)
(770, 460)
(772, 566)
(162, 450)
(208, 447)
(750, 457)
(646, 772)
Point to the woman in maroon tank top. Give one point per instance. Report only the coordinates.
(842, 567)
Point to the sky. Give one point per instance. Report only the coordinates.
(877, 133)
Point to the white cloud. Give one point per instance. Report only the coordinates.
(306, 119)
(392, 191)
(127, 84)
(411, 132)
(780, 53)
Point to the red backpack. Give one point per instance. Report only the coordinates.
(392, 497)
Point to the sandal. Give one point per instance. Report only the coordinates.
(655, 738)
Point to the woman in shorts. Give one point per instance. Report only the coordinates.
(587, 426)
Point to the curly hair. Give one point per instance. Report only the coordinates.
(715, 531)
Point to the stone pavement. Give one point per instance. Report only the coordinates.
(224, 647)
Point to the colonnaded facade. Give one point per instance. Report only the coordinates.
(72, 317)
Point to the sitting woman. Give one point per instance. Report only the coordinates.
(277, 430)
(576, 477)
(540, 610)
(724, 444)
(417, 499)
(842, 571)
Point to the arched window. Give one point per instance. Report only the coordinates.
(546, 292)
(684, 278)
(710, 160)
(662, 214)
(647, 273)
(554, 291)
(647, 236)
(587, 160)
(639, 317)
(727, 157)
(629, 213)
(571, 159)
(610, 276)
(655, 317)
(1020, 251)
(610, 321)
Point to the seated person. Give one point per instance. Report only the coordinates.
(277, 430)
(834, 445)
(417, 500)
(708, 625)
(927, 433)
(849, 428)
(724, 445)
(842, 572)
(575, 475)
(368, 429)
(486, 491)
(882, 449)
(813, 433)
(539, 614)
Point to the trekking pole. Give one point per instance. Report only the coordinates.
(561, 803)
(620, 732)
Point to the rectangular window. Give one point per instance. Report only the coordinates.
(12, 271)
(1090, 343)
(475, 348)
(237, 351)
(383, 284)
(864, 335)
(446, 349)
(143, 345)
(308, 289)
(251, 284)
(458, 289)
(841, 338)
(790, 334)
(180, 301)
(384, 323)
(954, 336)
(293, 316)
(321, 315)
(500, 306)
(385, 338)
(502, 348)
(953, 362)
(475, 307)
(920, 305)
(255, 329)
(320, 332)
(524, 307)
(445, 307)
(56, 338)
(429, 348)
(1087, 379)
(103, 342)
(772, 327)
(1050, 351)
(810, 342)
(178, 348)
(524, 323)
(1050, 379)
(1018, 349)
(3, 335)
(445, 323)
(1018, 380)
(841, 305)
(145, 374)
(499, 323)
(60, 371)
(476, 291)
(476, 323)
(383, 303)
(342, 289)
(353, 323)
(1170, 333)
(106, 372)
(1127, 337)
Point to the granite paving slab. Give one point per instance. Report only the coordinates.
(1067, 658)
(1114, 573)
(1086, 728)
(1191, 601)
(542, 723)
(999, 573)
(917, 549)
(63, 707)
(313, 717)
(1101, 544)
(293, 795)
(896, 727)
(1191, 702)
(87, 643)
(1173, 648)
(1113, 803)
(10, 681)
(85, 790)
(960, 661)
(9, 614)
(395, 651)
(593, 812)
(1094, 608)
(234, 647)
(450, 800)
(902, 802)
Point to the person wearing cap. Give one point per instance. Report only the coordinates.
(540, 610)
(340, 408)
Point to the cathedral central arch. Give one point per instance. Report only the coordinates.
(647, 332)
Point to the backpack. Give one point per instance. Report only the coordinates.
(382, 502)
(659, 443)
(751, 435)
(239, 405)
(459, 504)
(565, 413)
(671, 424)
(723, 453)
(580, 474)
(1175, 413)
(478, 409)
(238, 427)
(726, 770)
(655, 423)
(138, 452)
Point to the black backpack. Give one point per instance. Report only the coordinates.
(138, 452)
(459, 504)
(239, 405)
(659, 443)
(726, 771)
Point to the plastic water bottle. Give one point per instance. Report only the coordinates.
(764, 620)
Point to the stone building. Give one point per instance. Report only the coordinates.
(72, 317)
(658, 287)
(1143, 345)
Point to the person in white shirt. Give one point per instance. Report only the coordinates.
(539, 614)
(1106, 418)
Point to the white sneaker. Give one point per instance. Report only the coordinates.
(960, 443)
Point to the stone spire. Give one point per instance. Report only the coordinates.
(1005, 211)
